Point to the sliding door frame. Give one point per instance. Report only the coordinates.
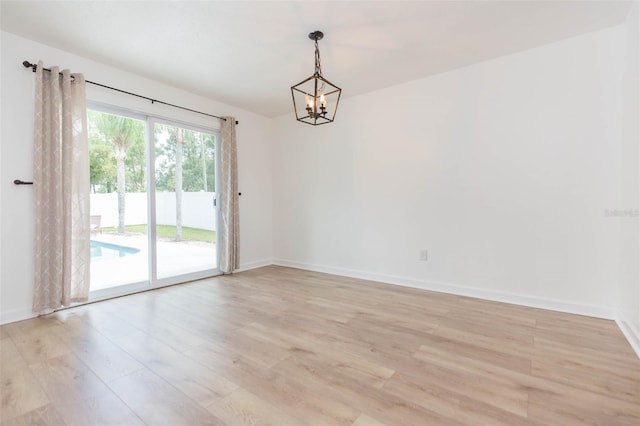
(153, 266)
(153, 282)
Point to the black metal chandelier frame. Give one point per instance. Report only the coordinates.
(322, 92)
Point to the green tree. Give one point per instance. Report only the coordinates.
(198, 160)
(102, 168)
(123, 135)
(179, 153)
(136, 164)
(185, 161)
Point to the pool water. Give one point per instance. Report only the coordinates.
(100, 250)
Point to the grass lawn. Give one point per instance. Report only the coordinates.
(169, 231)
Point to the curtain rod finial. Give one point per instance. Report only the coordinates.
(28, 64)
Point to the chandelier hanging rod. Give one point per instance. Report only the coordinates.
(315, 36)
(28, 64)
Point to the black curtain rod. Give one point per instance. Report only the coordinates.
(33, 67)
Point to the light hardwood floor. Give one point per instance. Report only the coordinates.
(288, 347)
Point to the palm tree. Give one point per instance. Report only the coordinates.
(121, 132)
(203, 157)
(179, 150)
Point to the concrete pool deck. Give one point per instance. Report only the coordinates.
(174, 258)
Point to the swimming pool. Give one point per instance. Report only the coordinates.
(100, 250)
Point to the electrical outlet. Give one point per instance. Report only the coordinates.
(422, 255)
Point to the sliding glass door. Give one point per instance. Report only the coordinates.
(118, 200)
(185, 178)
(153, 215)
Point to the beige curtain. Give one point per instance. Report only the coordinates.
(61, 190)
(228, 193)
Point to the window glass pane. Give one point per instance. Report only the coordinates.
(185, 198)
(117, 161)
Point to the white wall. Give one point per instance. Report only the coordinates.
(629, 292)
(16, 159)
(502, 170)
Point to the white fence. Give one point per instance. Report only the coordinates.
(197, 209)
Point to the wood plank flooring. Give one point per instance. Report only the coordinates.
(279, 346)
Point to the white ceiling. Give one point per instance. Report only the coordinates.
(248, 54)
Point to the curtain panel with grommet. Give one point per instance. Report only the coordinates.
(228, 192)
(61, 190)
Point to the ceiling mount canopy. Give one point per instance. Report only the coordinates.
(315, 99)
(316, 35)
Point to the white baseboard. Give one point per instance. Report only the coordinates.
(519, 299)
(632, 335)
(14, 315)
(480, 293)
(254, 265)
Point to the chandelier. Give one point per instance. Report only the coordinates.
(315, 99)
